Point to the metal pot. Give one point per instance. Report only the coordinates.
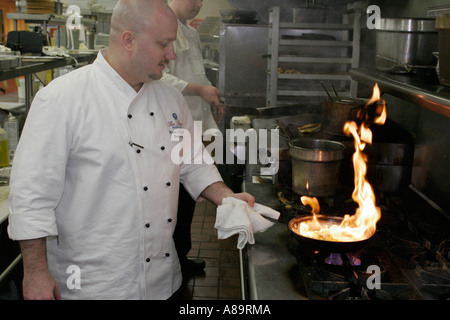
(404, 44)
(335, 113)
(324, 245)
(315, 166)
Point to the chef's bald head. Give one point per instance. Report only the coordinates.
(135, 15)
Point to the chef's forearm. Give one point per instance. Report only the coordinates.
(218, 191)
(38, 283)
(192, 90)
(34, 255)
(208, 93)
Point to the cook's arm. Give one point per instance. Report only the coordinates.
(218, 191)
(208, 93)
(38, 283)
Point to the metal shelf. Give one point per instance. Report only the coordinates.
(48, 18)
(316, 26)
(307, 93)
(345, 55)
(427, 94)
(28, 16)
(318, 43)
(315, 60)
(306, 76)
(28, 68)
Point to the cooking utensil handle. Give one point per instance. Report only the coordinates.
(328, 94)
(334, 90)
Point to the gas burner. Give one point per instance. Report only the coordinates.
(337, 259)
(363, 275)
(407, 259)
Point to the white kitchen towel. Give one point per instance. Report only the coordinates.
(235, 216)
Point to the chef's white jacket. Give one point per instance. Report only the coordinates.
(93, 173)
(188, 68)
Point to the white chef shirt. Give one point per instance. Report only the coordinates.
(188, 68)
(107, 206)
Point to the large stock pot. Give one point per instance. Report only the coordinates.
(405, 44)
(315, 166)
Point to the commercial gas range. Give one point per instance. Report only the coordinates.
(408, 258)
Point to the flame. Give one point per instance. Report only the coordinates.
(362, 224)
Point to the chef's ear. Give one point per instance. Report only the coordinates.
(128, 39)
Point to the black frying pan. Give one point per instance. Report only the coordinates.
(324, 245)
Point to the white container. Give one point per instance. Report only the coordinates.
(21, 90)
(12, 132)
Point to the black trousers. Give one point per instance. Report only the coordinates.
(182, 233)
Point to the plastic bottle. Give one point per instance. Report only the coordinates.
(12, 132)
(4, 153)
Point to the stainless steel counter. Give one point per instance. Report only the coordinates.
(268, 268)
(429, 95)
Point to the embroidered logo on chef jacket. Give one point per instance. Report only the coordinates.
(175, 123)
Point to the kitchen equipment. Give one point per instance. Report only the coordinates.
(404, 45)
(410, 250)
(26, 41)
(307, 61)
(436, 54)
(238, 16)
(315, 166)
(310, 13)
(8, 62)
(443, 26)
(90, 39)
(316, 244)
(326, 91)
(390, 157)
(265, 114)
(336, 112)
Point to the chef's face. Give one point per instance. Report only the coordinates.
(155, 47)
(189, 9)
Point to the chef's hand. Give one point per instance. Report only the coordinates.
(210, 94)
(40, 286)
(38, 283)
(218, 112)
(244, 196)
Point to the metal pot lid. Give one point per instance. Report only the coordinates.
(406, 24)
